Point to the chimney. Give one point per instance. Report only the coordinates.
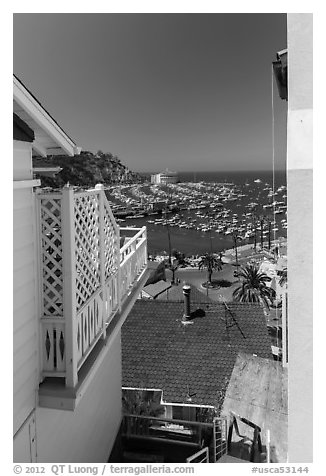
(186, 293)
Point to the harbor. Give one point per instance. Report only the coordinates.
(194, 218)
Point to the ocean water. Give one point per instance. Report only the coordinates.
(194, 242)
(238, 177)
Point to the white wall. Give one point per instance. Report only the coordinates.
(24, 447)
(299, 182)
(22, 166)
(88, 433)
(25, 314)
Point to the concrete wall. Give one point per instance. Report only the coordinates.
(88, 433)
(299, 182)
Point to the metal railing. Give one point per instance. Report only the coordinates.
(178, 430)
(220, 438)
(201, 456)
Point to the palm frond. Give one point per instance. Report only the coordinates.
(253, 287)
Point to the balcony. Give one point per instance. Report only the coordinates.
(91, 272)
(155, 439)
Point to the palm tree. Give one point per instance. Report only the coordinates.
(253, 287)
(236, 237)
(261, 219)
(254, 222)
(210, 262)
(179, 256)
(169, 236)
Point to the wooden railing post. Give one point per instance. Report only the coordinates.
(69, 285)
(118, 264)
(100, 188)
(39, 290)
(145, 234)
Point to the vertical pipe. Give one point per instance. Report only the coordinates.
(268, 446)
(186, 293)
(39, 281)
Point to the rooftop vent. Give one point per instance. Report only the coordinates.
(186, 293)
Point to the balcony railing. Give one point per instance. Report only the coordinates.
(86, 276)
(188, 432)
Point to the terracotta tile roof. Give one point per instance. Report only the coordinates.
(157, 288)
(175, 294)
(158, 351)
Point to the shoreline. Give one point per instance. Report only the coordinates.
(241, 250)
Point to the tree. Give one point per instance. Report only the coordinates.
(254, 222)
(141, 402)
(261, 219)
(179, 259)
(253, 287)
(179, 256)
(173, 268)
(235, 236)
(284, 277)
(210, 262)
(169, 236)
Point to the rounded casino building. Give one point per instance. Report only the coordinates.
(165, 177)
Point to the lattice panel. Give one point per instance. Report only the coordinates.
(111, 242)
(51, 243)
(87, 242)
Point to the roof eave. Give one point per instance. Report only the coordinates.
(37, 113)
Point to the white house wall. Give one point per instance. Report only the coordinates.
(24, 447)
(25, 314)
(88, 433)
(22, 168)
(300, 191)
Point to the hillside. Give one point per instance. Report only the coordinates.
(86, 170)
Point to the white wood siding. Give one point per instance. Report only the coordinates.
(88, 433)
(25, 314)
(24, 448)
(22, 167)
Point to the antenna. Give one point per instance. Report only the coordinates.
(233, 322)
(190, 395)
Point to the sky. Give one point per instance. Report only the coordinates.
(188, 92)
